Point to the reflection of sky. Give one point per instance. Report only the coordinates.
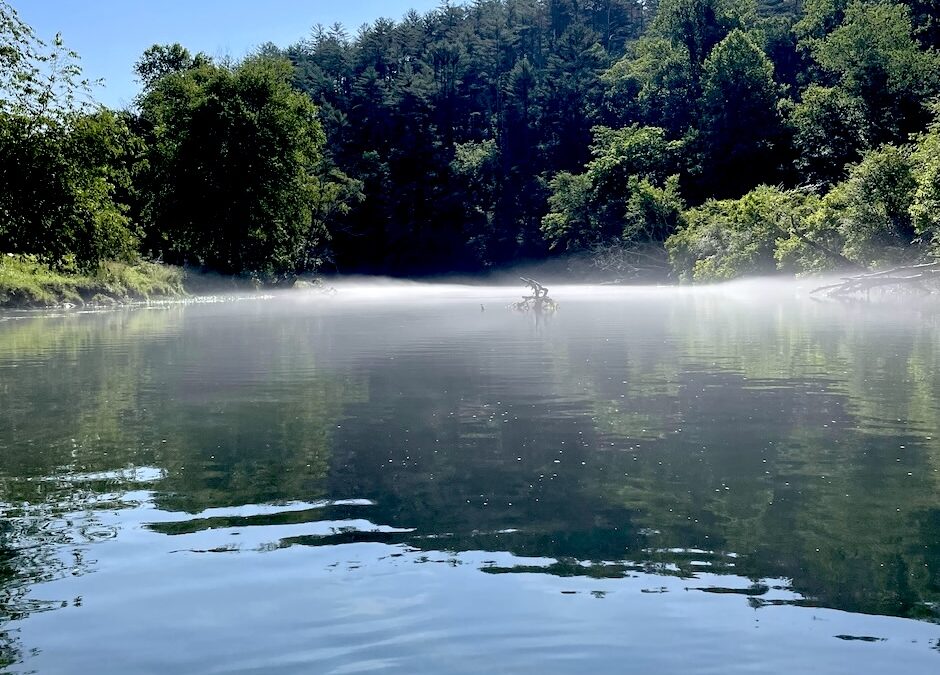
(262, 484)
(110, 35)
(348, 607)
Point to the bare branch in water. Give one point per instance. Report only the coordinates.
(538, 302)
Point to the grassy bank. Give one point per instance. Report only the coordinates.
(26, 282)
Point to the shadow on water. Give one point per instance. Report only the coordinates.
(767, 448)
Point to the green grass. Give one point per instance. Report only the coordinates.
(26, 282)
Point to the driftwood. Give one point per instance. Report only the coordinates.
(538, 302)
(923, 278)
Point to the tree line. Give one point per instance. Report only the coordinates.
(710, 138)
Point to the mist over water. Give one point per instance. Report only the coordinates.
(415, 478)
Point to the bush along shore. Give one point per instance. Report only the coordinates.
(26, 282)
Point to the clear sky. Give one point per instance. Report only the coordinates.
(110, 35)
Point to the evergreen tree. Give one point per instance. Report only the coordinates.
(740, 123)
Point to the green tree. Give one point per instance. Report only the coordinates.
(862, 222)
(874, 57)
(653, 213)
(830, 131)
(698, 25)
(874, 207)
(570, 94)
(724, 239)
(161, 60)
(926, 18)
(37, 80)
(777, 40)
(233, 154)
(815, 242)
(625, 182)
(477, 166)
(740, 122)
(925, 209)
(570, 221)
(62, 161)
(60, 182)
(651, 85)
(819, 18)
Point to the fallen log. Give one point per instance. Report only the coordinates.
(923, 278)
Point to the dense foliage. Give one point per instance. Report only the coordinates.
(739, 136)
(62, 163)
(230, 166)
(219, 166)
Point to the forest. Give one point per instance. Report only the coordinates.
(693, 140)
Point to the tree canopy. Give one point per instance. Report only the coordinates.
(231, 163)
(492, 132)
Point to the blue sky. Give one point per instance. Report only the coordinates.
(110, 35)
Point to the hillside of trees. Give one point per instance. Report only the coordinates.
(700, 139)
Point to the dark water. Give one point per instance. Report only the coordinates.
(647, 481)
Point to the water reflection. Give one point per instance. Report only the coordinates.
(772, 455)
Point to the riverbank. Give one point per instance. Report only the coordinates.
(28, 283)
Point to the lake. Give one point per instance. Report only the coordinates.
(416, 479)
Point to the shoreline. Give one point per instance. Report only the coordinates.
(26, 283)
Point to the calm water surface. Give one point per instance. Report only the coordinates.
(647, 481)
